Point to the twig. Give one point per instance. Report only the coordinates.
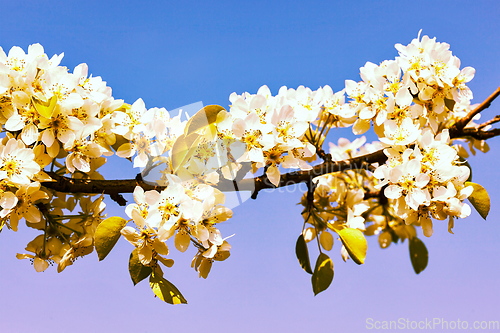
(480, 135)
(461, 123)
(495, 119)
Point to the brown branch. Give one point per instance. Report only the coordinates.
(495, 119)
(478, 134)
(296, 177)
(255, 185)
(115, 187)
(461, 123)
(98, 186)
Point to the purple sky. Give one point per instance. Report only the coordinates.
(173, 55)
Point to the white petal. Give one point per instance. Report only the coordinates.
(393, 191)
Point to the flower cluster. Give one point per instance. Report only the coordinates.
(422, 87)
(67, 241)
(191, 218)
(48, 114)
(277, 130)
(69, 122)
(426, 180)
(411, 101)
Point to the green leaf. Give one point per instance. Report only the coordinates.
(202, 119)
(355, 244)
(138, 271)
(165, 290)
(323, 274)
(45, 109)
(479, 199)
(303, 254)
(107, 234)
(418, 254)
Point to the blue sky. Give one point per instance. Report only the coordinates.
(176, 53)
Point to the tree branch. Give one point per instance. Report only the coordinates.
(461, 123)
(495, 119)
(478, 134)
(98, 186)
(255, 185)
(115, 187)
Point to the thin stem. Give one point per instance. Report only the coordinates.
(50, 220)
(44, 239)
(317, 238)
(65, 226)
(67, 217)
(323, 129)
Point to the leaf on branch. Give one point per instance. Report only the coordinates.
(119, 141)
(183, 149)
(165, 290)
(45, 109)
(323, 274)
(419, 255)
(179, 150)
(479, 199)
(355, 244)
(202, 119)
(138, 271)
(107, 234)
(303, 254)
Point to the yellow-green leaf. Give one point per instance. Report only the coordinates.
(138, 271)
(119, 141)
(479, 199)
(183, 149)
(303, 254)
(419, 255)
(107, 234)
(165, 290)
(323, 274)
(45, 109)
(202, 118)
(355, 244)
(179, 150)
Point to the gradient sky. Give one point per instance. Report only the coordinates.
(176, 53)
